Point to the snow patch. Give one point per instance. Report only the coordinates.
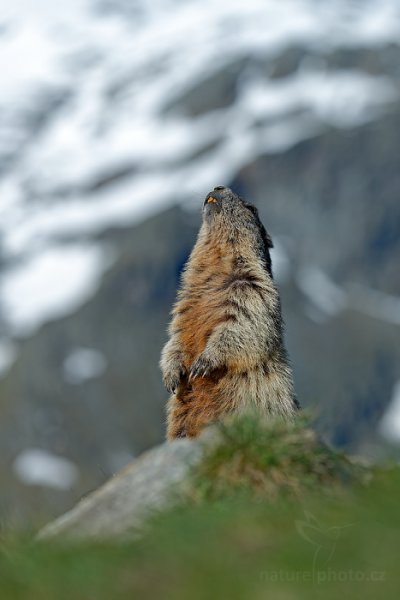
(343, 98)
(321, 291)
(389, 425)
(50, 285)
(8, 354)
(39, 467)
(280, 261)
(84, 364)
(90, 102)
(375, 303)
(327, 299)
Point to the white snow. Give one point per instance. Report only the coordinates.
(83, 364)
(8, 354)
(39, 467)
(50, 285)
(342, 98)
(389, 425)
(375, 303)
(327, 299)
(281, 266)
(321, 291)
(103, 80)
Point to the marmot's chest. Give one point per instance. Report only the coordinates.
(204, 310)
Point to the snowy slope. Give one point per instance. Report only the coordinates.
(88, 138)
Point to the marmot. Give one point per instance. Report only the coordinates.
(226, 351)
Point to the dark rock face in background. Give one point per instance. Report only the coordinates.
(339, 207)
(103, 423)
(331, 202)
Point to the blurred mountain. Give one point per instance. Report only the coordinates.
(127, 115)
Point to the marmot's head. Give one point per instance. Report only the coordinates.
(230, 217)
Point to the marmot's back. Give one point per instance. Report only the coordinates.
(225, 351)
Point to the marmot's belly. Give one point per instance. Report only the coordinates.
(231, 391)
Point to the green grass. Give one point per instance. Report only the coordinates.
(268, 513)
(268, 459)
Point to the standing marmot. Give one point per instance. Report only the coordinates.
(226, 351)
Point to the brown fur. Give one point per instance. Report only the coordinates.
(225, 351)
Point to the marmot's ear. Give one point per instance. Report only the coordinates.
(265, 236)
(268, 240)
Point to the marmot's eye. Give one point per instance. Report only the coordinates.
(211, 199)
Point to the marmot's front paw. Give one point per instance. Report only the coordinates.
(201, 367)
(173, 379)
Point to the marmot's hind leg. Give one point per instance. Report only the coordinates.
(187, 419)
(176, 419)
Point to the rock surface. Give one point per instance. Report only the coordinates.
(121, 506)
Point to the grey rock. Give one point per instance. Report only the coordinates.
(121, 506)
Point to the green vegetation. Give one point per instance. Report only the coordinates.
(264, 459)
(269, 512)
